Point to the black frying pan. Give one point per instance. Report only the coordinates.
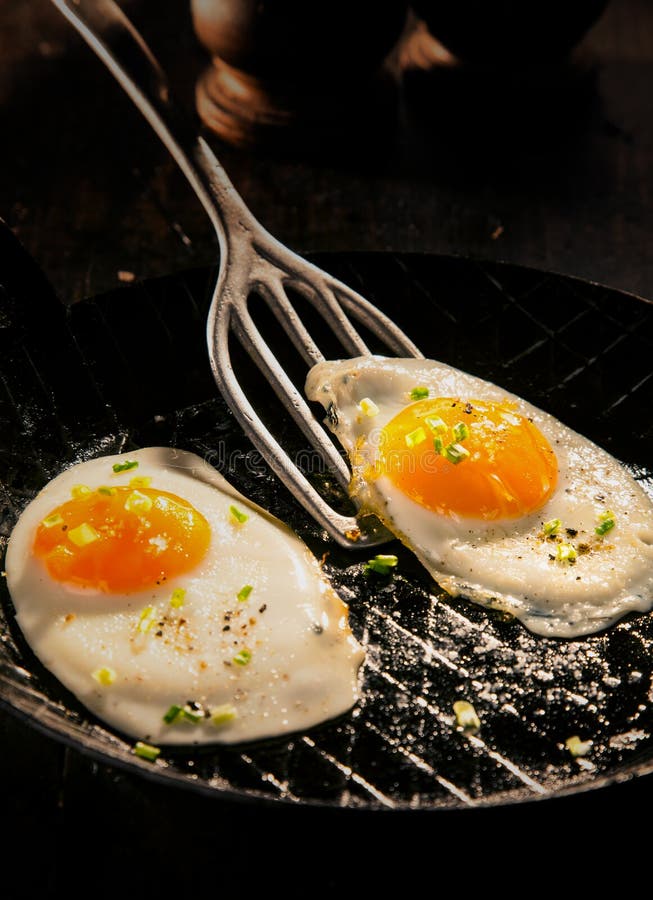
(129, 369)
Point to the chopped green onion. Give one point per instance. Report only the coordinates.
(244, 592)
(466, 716)
(192, 715)
(176, 712)
(106, 491)
(419, 393)
(455, 453)
(140, 481)
(51, 521)
(242, 658)
(577, 747)
(607, 521)
(460, 431)
(566, 553)
(80, 490)
(551, 527)
(368, 407)
(173, 714)
(413, 438)
(382, 564)
(237, 515)
(82, 535)
(178, 597)
(223, 714)
(604, 527)
(436, 424)
(104, 676)
(438, 444)
(138, 503)
(126, 466)
(146, 751)
(147, 619)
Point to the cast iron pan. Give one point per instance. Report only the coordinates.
(130, 369)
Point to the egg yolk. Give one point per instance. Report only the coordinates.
(120, 540)
(473, 459)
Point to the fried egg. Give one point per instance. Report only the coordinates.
(173, 608)
(501, 502)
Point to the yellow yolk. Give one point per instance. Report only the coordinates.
(507, 470)
(120, 539)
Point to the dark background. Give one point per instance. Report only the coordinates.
(559, 179)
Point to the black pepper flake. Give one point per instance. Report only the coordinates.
(64, 527)
(468, 408)
(262, 609)
(159, 633)
(551, 556)
(226, 627)
(318, 629)
(572, 532)
(331, 414)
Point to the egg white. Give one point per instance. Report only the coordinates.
(507, 564)
(304, 659)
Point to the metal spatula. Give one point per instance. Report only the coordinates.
(251, 260)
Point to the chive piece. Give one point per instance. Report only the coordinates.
(192, 715)
(382, 564)
(223, 714)
(126, 466)
(607, 521)
(106, 491)
(436, 424)
(438, 444)
(140, 481)
(138, 503)
(466, 716)
(413, 438)
(460, 431)
(104, 676)
(178, 597)
(242, 658)
(368, 407)
(146, 751)
(551, 527)
(419, 393)
(605, 526)
(82, 535)
(173, 714)
(244, 592)
(566, 553)
(51, 521)
(146, 619)
(237, 515)
(577, 747)
(80, 490)
(455, 453)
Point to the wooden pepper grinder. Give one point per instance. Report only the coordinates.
(292, 72)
